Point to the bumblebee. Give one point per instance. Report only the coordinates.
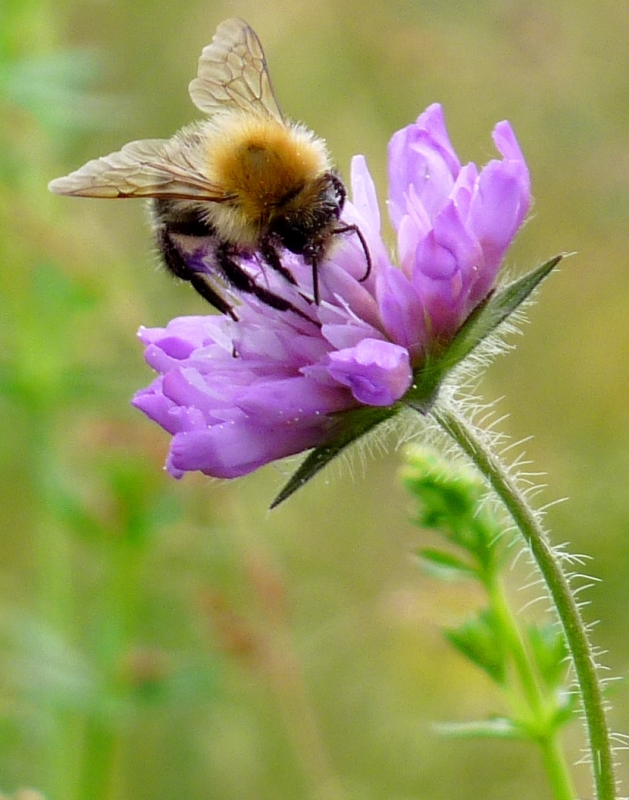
(243, 183)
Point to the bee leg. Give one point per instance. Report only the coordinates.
(241, 280)
(178, 266)
(355, 229)
(313, 260)
(268, 251)
(269, 254)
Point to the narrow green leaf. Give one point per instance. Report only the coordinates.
(354, 425)
(479, 641)
(495, 728)
(550, 651)
(445, 564)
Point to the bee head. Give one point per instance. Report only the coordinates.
(306, 219)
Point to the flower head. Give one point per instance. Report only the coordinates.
(235, 395)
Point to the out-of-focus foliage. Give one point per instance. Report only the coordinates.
(164, 640)
(530, 663)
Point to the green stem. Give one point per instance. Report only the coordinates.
(557, 769)
(547, 736)
(590, 690)
(516, 648)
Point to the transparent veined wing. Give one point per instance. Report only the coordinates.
(233, 73)
(146, 168)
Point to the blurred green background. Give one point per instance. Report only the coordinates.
(163, 639)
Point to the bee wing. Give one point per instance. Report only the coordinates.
(146, 168)
(233, 73)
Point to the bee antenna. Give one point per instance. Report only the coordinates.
(363, 242)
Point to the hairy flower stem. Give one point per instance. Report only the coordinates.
(549, 564)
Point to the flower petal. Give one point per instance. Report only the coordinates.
(378, 373)
(421, 156)
(236, 394)
(235, 448)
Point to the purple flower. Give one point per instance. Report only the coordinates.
(237, 395)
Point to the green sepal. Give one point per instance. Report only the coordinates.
(485, 318)
(354, 425)
(481, 323)
(494, 728)
(479, 641)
